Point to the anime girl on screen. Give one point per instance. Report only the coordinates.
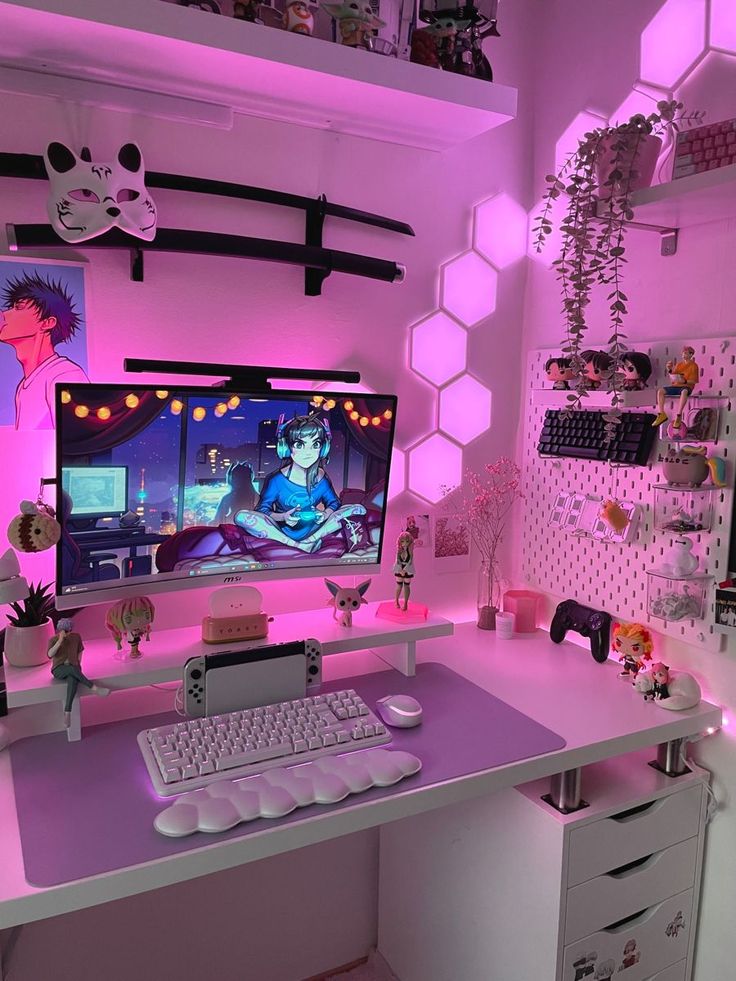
(298, 505)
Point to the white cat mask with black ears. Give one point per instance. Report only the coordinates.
(88, 199)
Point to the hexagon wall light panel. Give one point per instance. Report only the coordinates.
(569, 139)
(469, 288)
(438, 348)
(500, 230)
(465, 409)
(642, 98)
(397, 480)
(723, 25)
(672, 42)
(433, 464)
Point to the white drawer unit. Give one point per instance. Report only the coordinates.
(637, 948)
(509, 889)
(612, 896)
(631, 834)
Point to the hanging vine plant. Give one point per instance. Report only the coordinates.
(609, 164)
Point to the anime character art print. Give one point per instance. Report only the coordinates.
(43, 338)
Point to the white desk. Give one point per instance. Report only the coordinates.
(558, 685)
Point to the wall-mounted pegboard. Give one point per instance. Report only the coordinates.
(612, 576)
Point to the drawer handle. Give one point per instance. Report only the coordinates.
(632, 868)
(633, 813)
(636, 918)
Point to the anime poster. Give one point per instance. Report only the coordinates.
(168, 483)
(451, 544)
(419, 528)
(43, 338)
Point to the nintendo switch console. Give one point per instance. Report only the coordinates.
(233, 680)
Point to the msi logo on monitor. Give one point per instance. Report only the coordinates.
(232, 579)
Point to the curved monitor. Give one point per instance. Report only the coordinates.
(164, 489)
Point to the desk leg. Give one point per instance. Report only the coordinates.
(403, 657)
(565, 791)
(671, 757)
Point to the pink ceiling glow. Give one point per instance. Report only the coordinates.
(500, 230)
(438, 348)
(468, 288)
(465, 409)
(434, 464)
(723, 25)
(397, 479)
(673, 41)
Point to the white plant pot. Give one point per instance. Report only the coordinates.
(27, 646)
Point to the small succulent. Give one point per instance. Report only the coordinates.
(36, 609)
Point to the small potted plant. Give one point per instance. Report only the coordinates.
(609, 164)
(29, 630)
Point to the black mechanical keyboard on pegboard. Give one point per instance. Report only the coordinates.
(582, 433)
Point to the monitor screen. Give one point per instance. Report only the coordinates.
(96, 491)
(220, 486)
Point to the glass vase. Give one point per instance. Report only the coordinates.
(487, 599)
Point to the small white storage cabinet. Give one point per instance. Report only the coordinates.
(504, 888)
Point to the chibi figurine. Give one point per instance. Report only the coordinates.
(683, 378)
(636, 369)
(559, 372)
(345, 600)
(631, 955)
(132, 619)
(678, 562)
(596, 368)
(404, 568)
(65, 653)
(682, 690)
(660, 676)
(675, 925)
(633, 643)
(298, 18)
(605, 970)
(356, 22)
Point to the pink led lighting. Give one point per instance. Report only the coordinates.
(438, 348)
(723, 25)
(397, 480)
(434, 465)
(672, 41)
(465, 409)
(500, 230)
(469, 288)
(569, 139)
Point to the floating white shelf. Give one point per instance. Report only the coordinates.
(694, 200)
(163, 49)
(557, 398)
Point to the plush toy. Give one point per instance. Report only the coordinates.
(88, 199)
(677, 692)
(678, 561)
(35, 528)
(345, 600)
(614, 515)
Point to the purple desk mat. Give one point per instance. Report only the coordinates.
(87, 807)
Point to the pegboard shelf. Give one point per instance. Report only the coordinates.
(557, 398)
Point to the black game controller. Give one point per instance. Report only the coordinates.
(595, 624)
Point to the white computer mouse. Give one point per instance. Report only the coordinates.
(401, 711)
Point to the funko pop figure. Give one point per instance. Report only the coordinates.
(597, 367)
(633, 643)
(559, 372)
(636, 369)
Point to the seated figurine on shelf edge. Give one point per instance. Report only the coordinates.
(683, 378)
(65, 653)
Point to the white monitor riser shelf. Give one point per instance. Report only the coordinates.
(166, 652)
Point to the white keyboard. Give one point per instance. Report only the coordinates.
(277, 792)
(186, 755)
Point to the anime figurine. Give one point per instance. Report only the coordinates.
(683, 378)
(596, 368)
(682, 690)
(37, 314)
(65, 653)
(633, 643)
(660, 676)
(636, 369)
(605, 970)
(88, 199)
(404, 568)
(35, 528)
(241, 495)
(678, 562)
(298, 505)
(246, 10)
(345, 600)
(356, 22)
(631, 955)
(559, 372)
(675, 925)
(298, 18)
(132, 619)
